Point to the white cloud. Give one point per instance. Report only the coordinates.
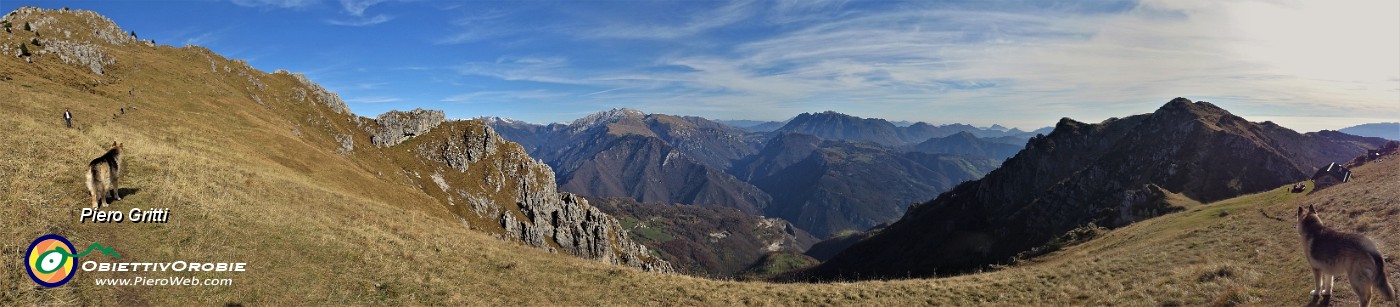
(1023, 67)
(480, 25)
(374, 99)
(276, 3)
(361, 22)
(357, 7)
(505, 96)
(733, 12)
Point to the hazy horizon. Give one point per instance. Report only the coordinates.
(1024, 64)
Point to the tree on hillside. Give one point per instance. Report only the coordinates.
(34, 41)
(23, 51)
(27, 27)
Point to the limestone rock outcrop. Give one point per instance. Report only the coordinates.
(398, 126)
(518, 194)
(320, 95)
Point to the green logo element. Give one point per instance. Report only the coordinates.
(62, 257)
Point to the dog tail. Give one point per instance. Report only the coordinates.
(1382, 280)
(93, 185)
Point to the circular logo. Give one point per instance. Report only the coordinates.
(48, 261)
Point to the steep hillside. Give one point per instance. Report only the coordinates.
(186, 114)
(706, 241)
(967, 144)
(830, 186)
(1108, 174)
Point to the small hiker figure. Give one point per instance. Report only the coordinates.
(67, 118)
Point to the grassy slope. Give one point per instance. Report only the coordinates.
(316, 227)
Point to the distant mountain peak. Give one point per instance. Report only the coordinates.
(1186, 105)
(1390, 130)
(965, 135)
(493, 120)
(607, 117)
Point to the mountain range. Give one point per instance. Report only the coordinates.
(411, 208)
(1108, 174)
(966, 144)
(837, 126)
(652, 158)
(822, 185)
(830, 186)
(1381, 130)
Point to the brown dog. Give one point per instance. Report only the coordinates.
(103, 175)
(1332, 253)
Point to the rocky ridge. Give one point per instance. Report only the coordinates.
(319, 94)
(515, 196)
(398, 126)
(84, 47)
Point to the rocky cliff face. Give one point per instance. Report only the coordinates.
(498, 188)
(1107, 174)
(397, 126)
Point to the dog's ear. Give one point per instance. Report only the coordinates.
(114, 144)
(1311, 209)
(1300, 211)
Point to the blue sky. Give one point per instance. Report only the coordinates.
(1308, 65)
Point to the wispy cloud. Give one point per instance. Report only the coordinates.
(203, 39)
(1087, 63)
(505, 96)
(731, 13)
(369, 85)
(276, 3)
(361, 22)
(374, 99)
(479, 25)
(528, 68)
(1022, 63)
(358, 7)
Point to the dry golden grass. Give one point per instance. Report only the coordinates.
(263, 185)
